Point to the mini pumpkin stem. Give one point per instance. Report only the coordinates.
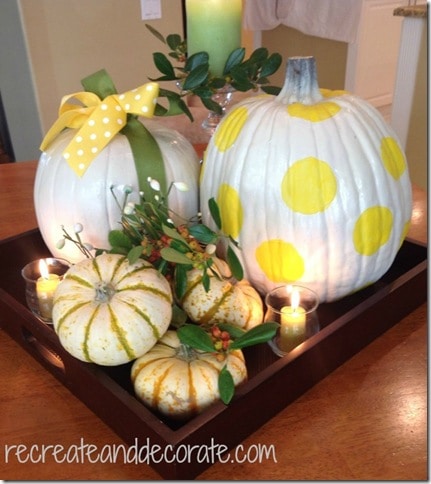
(185, 352)
(300, 85)
(104, 293)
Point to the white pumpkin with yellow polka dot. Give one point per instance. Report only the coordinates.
(313, 185)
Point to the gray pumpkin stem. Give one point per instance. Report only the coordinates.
(301, 84)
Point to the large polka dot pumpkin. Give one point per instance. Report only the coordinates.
(312, 184)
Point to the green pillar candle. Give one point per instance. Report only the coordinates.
(214, 26)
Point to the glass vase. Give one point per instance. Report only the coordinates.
(223, 97)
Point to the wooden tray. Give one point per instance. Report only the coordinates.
(346, 327)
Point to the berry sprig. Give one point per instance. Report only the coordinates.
(221, 339)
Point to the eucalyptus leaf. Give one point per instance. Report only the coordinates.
(172, 255)
(173, 234)
(259, 334)
(203, 234)
(117, 238)
(206, 280)
(180, 281)
(234, 264)
(134, 254)
(215, 212)
(195, 337)
(226, 385)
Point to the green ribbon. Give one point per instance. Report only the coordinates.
(146, 152)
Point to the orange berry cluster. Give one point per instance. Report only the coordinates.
(221, 339)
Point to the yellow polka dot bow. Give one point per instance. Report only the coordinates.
(98, 121)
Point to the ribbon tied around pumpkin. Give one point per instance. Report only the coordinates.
(98, 121)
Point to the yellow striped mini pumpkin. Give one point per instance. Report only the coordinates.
(109, 312)
(227, 301)
(180, 382)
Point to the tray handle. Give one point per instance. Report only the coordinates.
(48, 355)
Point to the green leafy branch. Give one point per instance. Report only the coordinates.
(222, 339)
(194, 77)
(149, 232)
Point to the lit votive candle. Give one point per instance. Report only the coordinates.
(214, 26)
(45, 289)
(294, 307)
(293, 324)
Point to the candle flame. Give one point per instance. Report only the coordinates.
(295, 300)
(43, 269)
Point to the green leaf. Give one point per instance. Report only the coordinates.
(226, 385)
(196, 60)
(172, 255)
(181, 280)
(206, 280)
(117, 238)
(234, 264)
(258, 56)
(274, 90)
(215, 212)
(195, 337)
(164, 65)
(179, 317)
(270, 65)
(173, 41)
(259, 334)
(155, 33)
(196, 77)
(203, 234)
(212, 105)
(234, 59)
(172, 233)
(234, 331)
(134, 254)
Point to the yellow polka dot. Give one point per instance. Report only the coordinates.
(231, 211)
(372, 229)
(405, 231)
(333, 93)
(392, 156)
(280, 261)
(313, 112)
(309, 186)
(230, 128)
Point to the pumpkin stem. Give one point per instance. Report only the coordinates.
(301, 84)
(104, 293)
(185, 352)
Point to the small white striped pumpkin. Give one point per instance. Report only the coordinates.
(227, 301)
(110, 312)
(180, 382)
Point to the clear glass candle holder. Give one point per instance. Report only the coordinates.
(294, 307)
(40, 284)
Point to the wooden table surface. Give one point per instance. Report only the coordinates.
(365, 421)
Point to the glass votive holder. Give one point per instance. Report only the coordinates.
(294, 307)
(41, 280)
